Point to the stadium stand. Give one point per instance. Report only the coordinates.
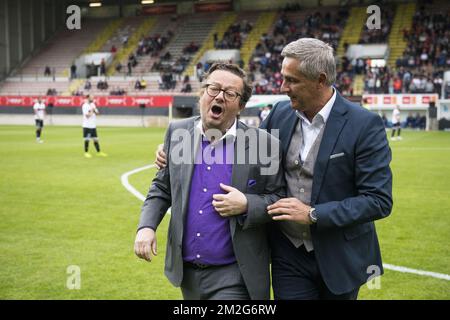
(420, 67)
(325, 24)
(62, 49)
(163, 49)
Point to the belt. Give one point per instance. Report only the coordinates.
(196, 265)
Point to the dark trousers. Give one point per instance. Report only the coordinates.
(295, 273)
(213, 283)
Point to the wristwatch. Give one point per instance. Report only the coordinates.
(313, 215)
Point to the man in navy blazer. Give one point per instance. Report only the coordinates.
(336, 157)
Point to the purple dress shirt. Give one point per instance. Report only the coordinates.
(207, 237)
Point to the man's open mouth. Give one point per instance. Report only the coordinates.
(216, 110)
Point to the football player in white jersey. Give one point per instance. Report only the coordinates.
(90, 112)
(39, 114)
(396, 125)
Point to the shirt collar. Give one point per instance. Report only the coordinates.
(324, 113)
(231, 132)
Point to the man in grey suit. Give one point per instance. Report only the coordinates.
(217, 245)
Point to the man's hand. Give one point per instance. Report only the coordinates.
(290, 209)
(230, 204)
(161, 159)
(144, 243)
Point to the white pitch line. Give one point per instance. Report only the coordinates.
(128, 186)
(418, 272)
(137, 194)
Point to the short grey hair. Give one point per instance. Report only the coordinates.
(315, 57)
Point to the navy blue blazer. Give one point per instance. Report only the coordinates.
(352, 187)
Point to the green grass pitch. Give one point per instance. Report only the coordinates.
(59, 209)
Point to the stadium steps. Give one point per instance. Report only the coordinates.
(61, 49)
(29, 86)
(143, 29)
(194, 28)
(402, 21)
(95, 46)
(220, 28)
(74, 85)
(358, 85)
(104, 36)
(353, 28)
(263, 25)
(145, 62)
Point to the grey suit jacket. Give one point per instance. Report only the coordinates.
(171, 187)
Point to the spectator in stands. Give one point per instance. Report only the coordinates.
(102, 67)
(52, 92)
(132, 59)
(179, 65)
(117, 92)
(87, 85)
(186, 87)
(118, 67)
(397, 85)
(191, 48)
(47, 71)
(113, 49)
(91, 69)
(73, 71)
(102, 85)
(129, 68)
(143, 83)
(137, 84)
(160, 82)
(216, 39)
(200, 72)
(169, 82)
(140, 84)
(438, 82)
(167, 56)
(429, 86)
(125, 40)
(420, 121)
(410, 122)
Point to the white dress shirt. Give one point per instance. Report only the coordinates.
(230, 132)
(310, 130)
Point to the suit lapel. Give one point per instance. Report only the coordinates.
(188, 168)
(239, 175)
(333, 128)
(287, 131)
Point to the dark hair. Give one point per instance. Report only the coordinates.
(234, 69)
